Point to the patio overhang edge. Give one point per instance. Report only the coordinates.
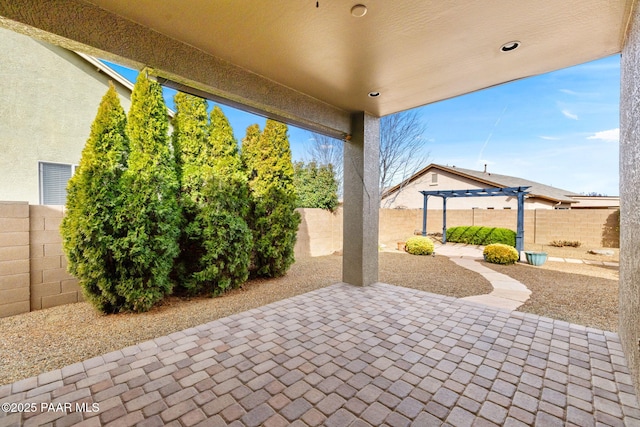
(177, 64)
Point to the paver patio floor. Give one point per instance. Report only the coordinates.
(341, 356)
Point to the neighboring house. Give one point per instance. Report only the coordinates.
(596, 202)
(406, 195)
(50, 97)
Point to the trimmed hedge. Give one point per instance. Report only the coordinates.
(419, 245)
(497, 253)
(477, 235)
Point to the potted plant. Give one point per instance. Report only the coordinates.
(536, 258)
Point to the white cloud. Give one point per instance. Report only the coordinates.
(570, 115)
(550, 138)
(574, 93)
(611, 135)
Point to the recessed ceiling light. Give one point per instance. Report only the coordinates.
(509, 46)
(374, 94)
(358, 11)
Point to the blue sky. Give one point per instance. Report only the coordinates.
(559, 128)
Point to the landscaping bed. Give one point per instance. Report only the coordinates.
(577, 293)
(581, 252)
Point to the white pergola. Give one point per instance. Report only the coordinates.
(335, 67)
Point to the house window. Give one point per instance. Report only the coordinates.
(53, 182)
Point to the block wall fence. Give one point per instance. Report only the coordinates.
(320, 232)
(33, 272)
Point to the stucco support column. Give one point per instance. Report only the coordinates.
(629, 324)
(361, 201)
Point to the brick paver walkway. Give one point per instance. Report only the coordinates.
(347, 356)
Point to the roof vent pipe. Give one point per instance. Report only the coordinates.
(485, 168)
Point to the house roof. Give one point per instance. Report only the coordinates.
(494, 180)
(113, 74)
(110, 72)
(314, 63)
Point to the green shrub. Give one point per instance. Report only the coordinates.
(498, 253)
(316, 186)
(272, 219)
(149, 217)
(476, 235)
(94, 196)
(419, 245)
(216, 241)
(454, 233)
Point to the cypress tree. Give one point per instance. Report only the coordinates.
(227, 239)
(190, 133)
(249, 151)
(273, 219)
(190, 139)
(90, 227)
(214, 195)
(150, 217)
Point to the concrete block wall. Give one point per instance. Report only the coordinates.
(320, 232)
(14, 258)
(51, 285)
(591, 227)
(33, 272)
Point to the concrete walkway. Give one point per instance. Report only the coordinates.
(346, 356)
(507, 293)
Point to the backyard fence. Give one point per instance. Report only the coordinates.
(33, 272)
(320, 232)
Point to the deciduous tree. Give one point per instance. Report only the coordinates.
(402, 152)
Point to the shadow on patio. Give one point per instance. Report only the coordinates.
(343, 355)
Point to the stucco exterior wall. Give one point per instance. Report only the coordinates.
(410, 198)
(50, 97)
(629, 200)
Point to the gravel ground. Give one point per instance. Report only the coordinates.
(581, 252)
(43, 340)
(576, 293)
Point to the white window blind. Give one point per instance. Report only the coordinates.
(53, 183)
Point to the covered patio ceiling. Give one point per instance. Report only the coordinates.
(315, 64)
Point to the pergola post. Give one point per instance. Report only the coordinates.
(520, 229)
(444, 220)
(424, 214)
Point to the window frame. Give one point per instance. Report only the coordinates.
(41, 187)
